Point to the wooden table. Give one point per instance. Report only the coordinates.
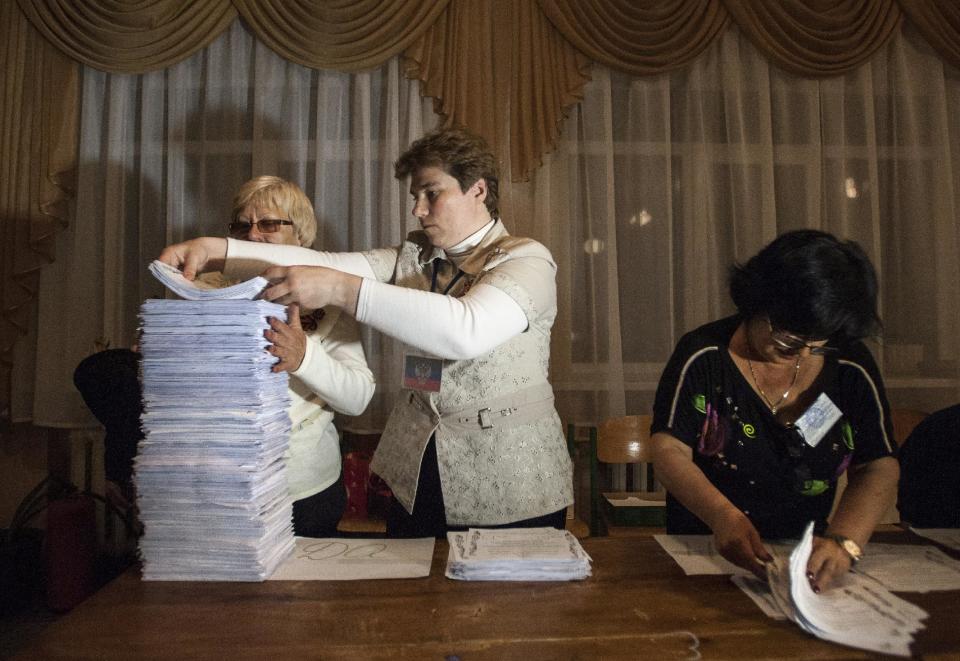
(637, 605)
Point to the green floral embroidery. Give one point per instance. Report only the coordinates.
(700, 403)
(847, 433)
(813, 487)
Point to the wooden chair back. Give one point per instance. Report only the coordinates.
(624, 440)
(904, 420)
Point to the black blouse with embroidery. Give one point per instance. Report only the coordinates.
(766, 468)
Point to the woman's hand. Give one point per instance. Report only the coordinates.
(312, 287)
(827, 564)
(289, 342)
(196, 256)
(738, 541)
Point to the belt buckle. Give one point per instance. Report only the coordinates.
(484, 417)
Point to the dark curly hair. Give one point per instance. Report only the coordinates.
(463, 155)
(810, 284)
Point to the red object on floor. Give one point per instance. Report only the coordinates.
(356, 474)
(70, 548)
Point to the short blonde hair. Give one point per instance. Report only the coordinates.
(269, 192)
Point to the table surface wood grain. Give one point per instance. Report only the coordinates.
(637, 605)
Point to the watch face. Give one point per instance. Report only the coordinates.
(852, 548)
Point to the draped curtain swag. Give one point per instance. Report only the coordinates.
(638, 38)
(509, 70)
(38, 151)
(129, 37)
(346, 35)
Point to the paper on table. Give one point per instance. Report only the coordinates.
(949, 537)
(696, 554)
(910, 568)
(759, 591)
(195, 290)
(356, 559)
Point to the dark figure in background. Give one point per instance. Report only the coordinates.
(929, 491)
(110, 387)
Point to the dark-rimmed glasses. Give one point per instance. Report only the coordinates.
(789, 344)
(240, 228)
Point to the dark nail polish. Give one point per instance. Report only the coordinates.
(816, 589)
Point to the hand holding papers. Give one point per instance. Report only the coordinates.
(859, 612)
(195, 290)
(516, 554)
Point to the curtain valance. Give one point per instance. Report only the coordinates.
(806, 37)
(347, 35)
(129, 37)
(638, 38)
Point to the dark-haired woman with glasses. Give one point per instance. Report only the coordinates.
(758, 415)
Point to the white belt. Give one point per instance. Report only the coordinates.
(509, 410)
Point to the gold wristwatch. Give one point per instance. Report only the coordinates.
(851, 547)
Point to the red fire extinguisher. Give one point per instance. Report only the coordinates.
(70, 548)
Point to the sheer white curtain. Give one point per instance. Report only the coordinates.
(660, 183)
(657, 186)
(161, 155)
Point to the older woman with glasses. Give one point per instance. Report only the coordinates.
(758, 415)
(319, 348)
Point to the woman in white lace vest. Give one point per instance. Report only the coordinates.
(474, 440)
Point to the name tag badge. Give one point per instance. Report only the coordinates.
(817, 420)
(422, 373)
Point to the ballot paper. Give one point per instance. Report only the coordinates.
(858, 612)
(910, 568)
(210, 474)
(949, 537)
(516, 554)
(898, 567)
(335, 559)
(696, 554)
(197, 290)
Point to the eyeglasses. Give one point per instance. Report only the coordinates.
(790, 345)
(240, 228)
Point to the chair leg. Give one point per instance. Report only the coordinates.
(597, 525)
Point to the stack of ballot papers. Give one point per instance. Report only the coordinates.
(516, 554)
(210, 475)
(859, 612)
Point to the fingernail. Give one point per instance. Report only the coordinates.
(810, 575)
(816, 589)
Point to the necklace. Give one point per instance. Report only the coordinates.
(786, 393)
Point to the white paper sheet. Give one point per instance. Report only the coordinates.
(910, 568)
(197, 290)
(337, 559)
(696, 554)
(949, 537)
